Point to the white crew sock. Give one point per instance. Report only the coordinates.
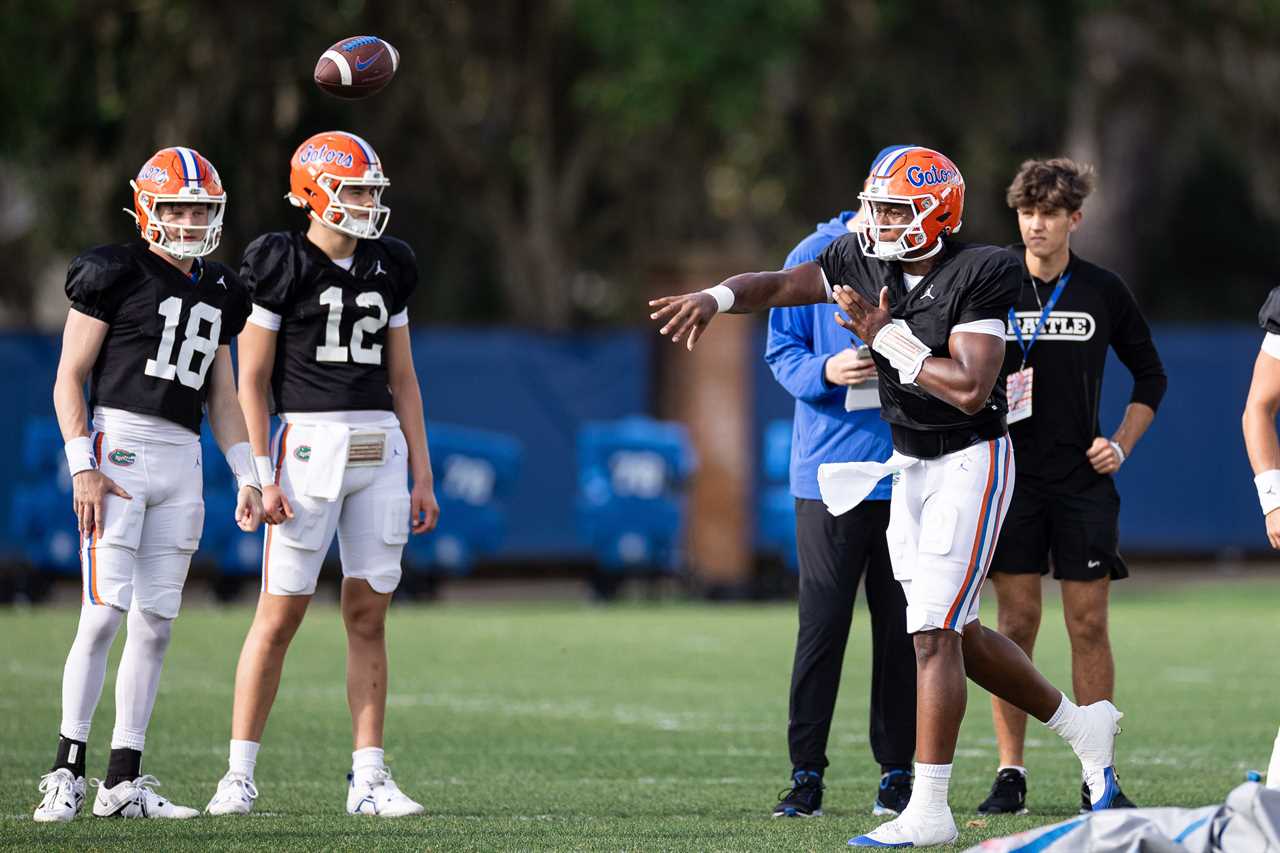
(1068, 722)
(364, 762)
(929, 792)
(138, 677)
(243, 758)
(86, 668)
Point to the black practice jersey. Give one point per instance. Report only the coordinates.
(164, 328)
(331, 348)
(1269, 316)
(970, 282)
(1095, 311)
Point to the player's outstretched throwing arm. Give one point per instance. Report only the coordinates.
(964, 380)
(684, 317)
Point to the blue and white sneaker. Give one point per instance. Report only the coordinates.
(894, 793)
(379, 796)
(907, 831)
(803, 799)
(1112, 797)
(1096, 749)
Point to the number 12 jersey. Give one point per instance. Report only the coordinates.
(332, 322)
(165, 327)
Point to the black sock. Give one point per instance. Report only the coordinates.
(124, 765)
(70, 755)
(890, 768)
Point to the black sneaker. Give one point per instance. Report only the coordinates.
(1008, 794)
(894, 793)
(1119, 801)
(804, 799)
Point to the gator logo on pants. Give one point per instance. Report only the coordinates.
(123, 458)
(303, 453)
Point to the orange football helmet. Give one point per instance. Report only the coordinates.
(930, 184)
(178, 176)
(319, 170)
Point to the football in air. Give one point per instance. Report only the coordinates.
(357, 67)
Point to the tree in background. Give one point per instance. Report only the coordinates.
(547, 156)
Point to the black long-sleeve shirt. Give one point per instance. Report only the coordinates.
(1096, 310)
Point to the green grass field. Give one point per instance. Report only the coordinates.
(637, 728)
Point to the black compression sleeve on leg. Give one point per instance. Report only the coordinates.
(71, 755)
(124, 765)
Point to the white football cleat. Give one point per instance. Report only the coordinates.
(63, 797)
(1096, 748)
(380, 796)
(235, 795)
(910, 831)
(136, 799)
(1104, 786)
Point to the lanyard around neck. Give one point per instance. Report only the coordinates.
(1044, 317)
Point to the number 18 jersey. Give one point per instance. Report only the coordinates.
(165, 328)
(332, 322)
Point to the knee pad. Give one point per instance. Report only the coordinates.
(383, 580)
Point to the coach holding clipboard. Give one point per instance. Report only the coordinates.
(1065, 509)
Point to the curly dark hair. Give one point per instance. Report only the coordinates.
(1057, 184)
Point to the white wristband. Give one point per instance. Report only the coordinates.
(723, 297)
(1268, 485)
(240, 458)
(906, 352)
(80, 456)
(266, 471)
(1115, 445)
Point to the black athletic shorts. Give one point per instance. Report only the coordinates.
(1080, 530)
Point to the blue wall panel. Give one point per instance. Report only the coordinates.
(1187, 488)
(540, 389)
(537, 388)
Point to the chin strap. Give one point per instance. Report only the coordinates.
(937, 247)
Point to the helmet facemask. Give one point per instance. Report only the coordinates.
(195, 240)
(913, 239)
(364, 222)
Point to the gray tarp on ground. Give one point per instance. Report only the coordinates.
(1248, 822)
